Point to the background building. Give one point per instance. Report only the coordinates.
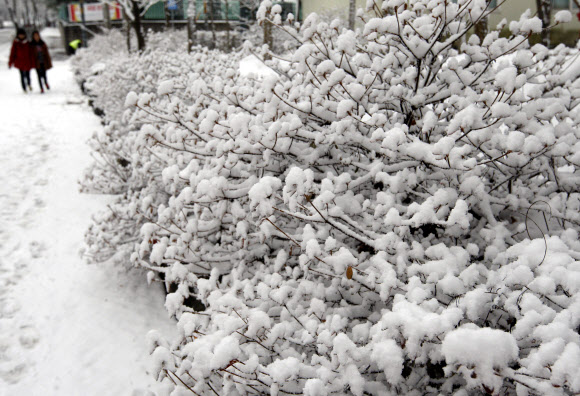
(230, 14)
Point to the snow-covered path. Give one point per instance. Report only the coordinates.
(66, 328)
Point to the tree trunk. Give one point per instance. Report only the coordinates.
(190, 26)
(27, 13)
(268, 40)
(137, 26)
(106, 16)
(167, 13)
(351, 14)
(228, 42)
(545, 15)
(212, 27)
(481, 29)
(35, 19)
(127, 29)
(190, 34)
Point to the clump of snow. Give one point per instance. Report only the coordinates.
(165, 88)
(479, 354)
(389, 358)
(132, 99)
(563, 16)
(251, 65)
(484, 348)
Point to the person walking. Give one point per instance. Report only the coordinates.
(41, 59)
(21, 58)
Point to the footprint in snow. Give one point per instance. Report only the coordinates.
(36, 249)
(39, 203)
(9, 308)
(14, 374)
(28, 337)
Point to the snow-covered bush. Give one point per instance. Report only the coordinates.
(102, 46)
(384, 215)
(108, 75)
(280, 40)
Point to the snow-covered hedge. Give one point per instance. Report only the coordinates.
(123, 167)
(384, 215)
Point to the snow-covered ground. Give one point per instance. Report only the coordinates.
(66, 328)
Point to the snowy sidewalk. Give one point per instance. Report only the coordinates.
(66, 328)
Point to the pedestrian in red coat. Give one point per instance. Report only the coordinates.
(21, 58)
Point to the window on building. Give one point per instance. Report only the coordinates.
(492, 4)
(564, 5)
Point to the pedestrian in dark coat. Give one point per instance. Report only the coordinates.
(21, 58)
(41, 59)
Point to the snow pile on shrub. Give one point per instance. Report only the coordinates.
(121, 166)
(383, 216)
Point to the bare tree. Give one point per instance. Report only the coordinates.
(26, 12)
(134, 11)
(11, 6)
